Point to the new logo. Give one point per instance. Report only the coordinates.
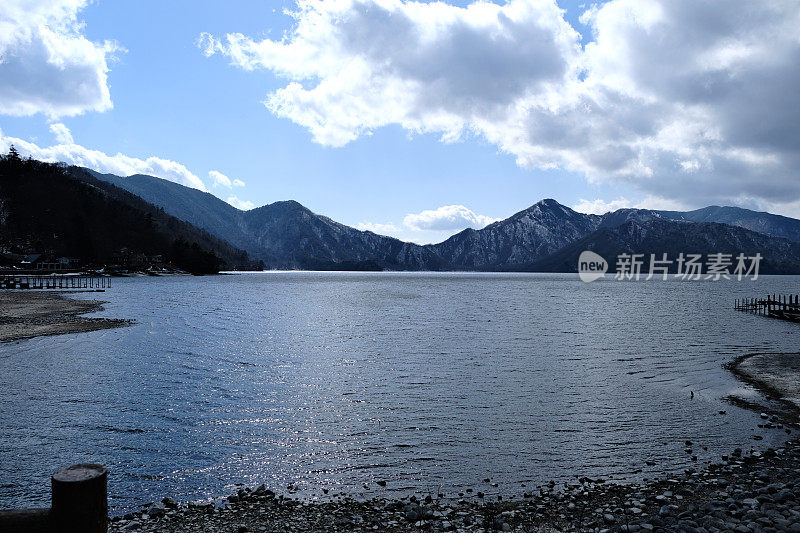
(591, 266)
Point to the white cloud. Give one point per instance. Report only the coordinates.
(599, 207)
(218, 178)
(696, 102)
(61, 133)
(119, 164)
(433, 225)
(447, 218)
(380, 229)
(405, 233)
(428, 67)
(244, 205)
(46, 63)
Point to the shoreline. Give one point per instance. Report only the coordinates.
(767, 372)
(745, 492)
(26, 314)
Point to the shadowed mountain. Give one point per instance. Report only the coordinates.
(288, 235)
(65, 211)
(762, 222)
(282, 234)
(198, 208)
(520, 239)
(780, 256)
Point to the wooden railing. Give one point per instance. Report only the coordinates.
(56, 281)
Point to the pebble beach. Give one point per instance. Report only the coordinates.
(745, 491)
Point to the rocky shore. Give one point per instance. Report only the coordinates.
(747, 491)
(28, 314)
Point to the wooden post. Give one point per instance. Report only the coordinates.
(80, 504)
(80, 498)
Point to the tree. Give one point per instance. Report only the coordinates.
(13, 154)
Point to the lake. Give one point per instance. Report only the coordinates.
(428, 381)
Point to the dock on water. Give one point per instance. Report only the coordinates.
(782, 306)
(54, 281)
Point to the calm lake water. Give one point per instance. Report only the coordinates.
(431, 382)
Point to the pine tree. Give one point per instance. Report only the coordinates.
(13, 154)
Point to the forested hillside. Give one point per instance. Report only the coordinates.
(64, 211)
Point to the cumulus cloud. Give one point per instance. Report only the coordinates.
(433, 225)
(47, 65)
(244, 205)
(119, 164)
(691, 101)
(447, 218)
(428, 67)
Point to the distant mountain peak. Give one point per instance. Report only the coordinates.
(294, 204)
(284, 206)
(549, 202)
(286, 234)
(548, 208)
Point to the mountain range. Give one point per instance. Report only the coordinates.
(547, 236)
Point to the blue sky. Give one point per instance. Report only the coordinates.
(207, 113)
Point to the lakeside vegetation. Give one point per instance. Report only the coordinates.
(58, 210)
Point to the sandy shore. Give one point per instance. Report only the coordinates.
(27, 314)
(746, 492)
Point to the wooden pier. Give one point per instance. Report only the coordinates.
(54, 281)
(785, 307)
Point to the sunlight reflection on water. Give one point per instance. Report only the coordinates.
(426, 381)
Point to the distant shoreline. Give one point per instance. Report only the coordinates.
(27, 314)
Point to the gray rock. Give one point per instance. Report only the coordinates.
(156, 510)
(412, 514)
(170, 503)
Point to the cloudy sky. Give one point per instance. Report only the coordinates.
(415, 118)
